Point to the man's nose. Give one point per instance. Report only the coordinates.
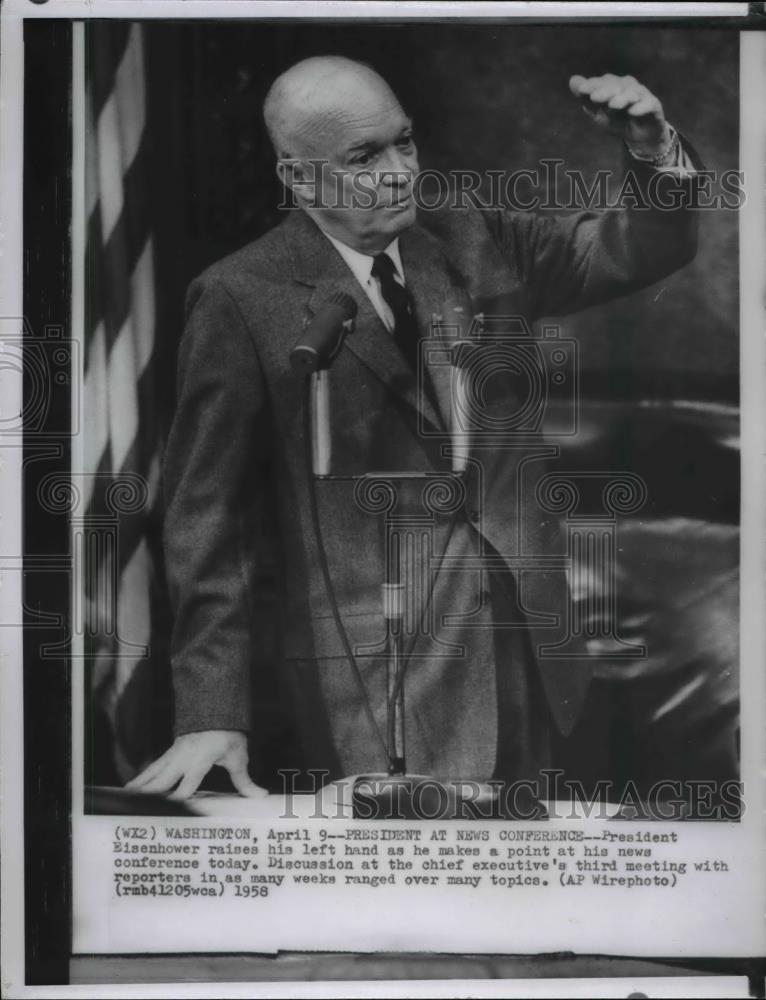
(396, 170)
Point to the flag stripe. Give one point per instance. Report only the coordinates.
(94, 284)
(108, 43)
(143, 448)
(141, 459)
(111, 262)
(133, 526)
(128, 358)
(120, 129)
(123, 371)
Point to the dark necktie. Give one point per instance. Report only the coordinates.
(405, 332)
(396, 297)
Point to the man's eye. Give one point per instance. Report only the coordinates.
(362, 159)
(406, 142)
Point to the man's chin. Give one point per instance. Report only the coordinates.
(397, 218)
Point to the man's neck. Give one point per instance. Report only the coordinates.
(369, 249)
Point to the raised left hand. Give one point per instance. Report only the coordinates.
(624, 107)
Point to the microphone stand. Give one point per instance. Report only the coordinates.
(399, 793)
(321, 439)
(393, 614)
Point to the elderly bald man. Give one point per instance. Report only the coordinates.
(482, 698)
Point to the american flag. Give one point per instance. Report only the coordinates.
(122, 435)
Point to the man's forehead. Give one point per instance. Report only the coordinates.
(325, 102)
(350, 124)
(336, 80)
(350, 98)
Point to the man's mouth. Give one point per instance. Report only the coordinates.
(400, 204)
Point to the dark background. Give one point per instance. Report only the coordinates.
(483, 97)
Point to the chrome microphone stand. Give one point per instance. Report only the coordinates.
(393, 615)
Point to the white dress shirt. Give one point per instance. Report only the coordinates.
(360, 265)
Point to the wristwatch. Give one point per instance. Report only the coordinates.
(666, 157)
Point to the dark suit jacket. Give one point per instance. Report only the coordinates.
(239, 403)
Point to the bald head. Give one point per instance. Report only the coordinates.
(315, 99)
(345, 149)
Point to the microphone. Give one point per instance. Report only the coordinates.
(324, 334)
(312, 355)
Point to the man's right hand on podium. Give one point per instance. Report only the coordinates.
(190, 758)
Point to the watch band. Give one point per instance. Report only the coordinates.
(666, 157)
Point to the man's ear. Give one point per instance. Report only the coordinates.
(299, 177)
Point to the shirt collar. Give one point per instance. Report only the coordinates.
(361, 263)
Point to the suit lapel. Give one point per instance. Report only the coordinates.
(427, 280)
(317, 264)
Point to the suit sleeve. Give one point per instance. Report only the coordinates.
(570, 262)
(213, 446)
